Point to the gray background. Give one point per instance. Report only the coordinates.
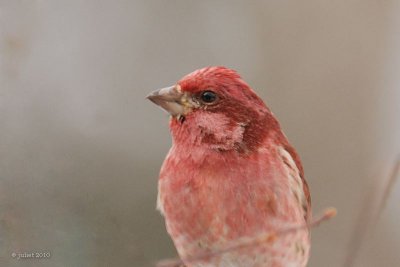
(80, 147)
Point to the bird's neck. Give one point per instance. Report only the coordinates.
(219, 132)
(209, 131)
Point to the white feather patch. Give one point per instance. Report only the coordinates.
(295, 181)
(159, 201)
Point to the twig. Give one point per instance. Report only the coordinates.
(369, 218)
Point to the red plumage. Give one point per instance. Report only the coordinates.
(231, 174)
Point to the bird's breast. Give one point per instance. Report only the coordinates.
(211, 201)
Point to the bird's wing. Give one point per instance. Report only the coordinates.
(297, 182)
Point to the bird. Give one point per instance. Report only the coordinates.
(230, 176)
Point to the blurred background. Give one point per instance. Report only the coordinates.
(81, 147)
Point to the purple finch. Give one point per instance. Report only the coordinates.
(230, 176)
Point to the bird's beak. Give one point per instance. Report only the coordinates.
(170, 99)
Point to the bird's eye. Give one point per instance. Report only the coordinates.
(208, 97)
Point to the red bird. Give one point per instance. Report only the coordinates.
(230, 176)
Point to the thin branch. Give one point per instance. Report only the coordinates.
(368, 217)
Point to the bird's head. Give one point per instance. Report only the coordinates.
(215, 107)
